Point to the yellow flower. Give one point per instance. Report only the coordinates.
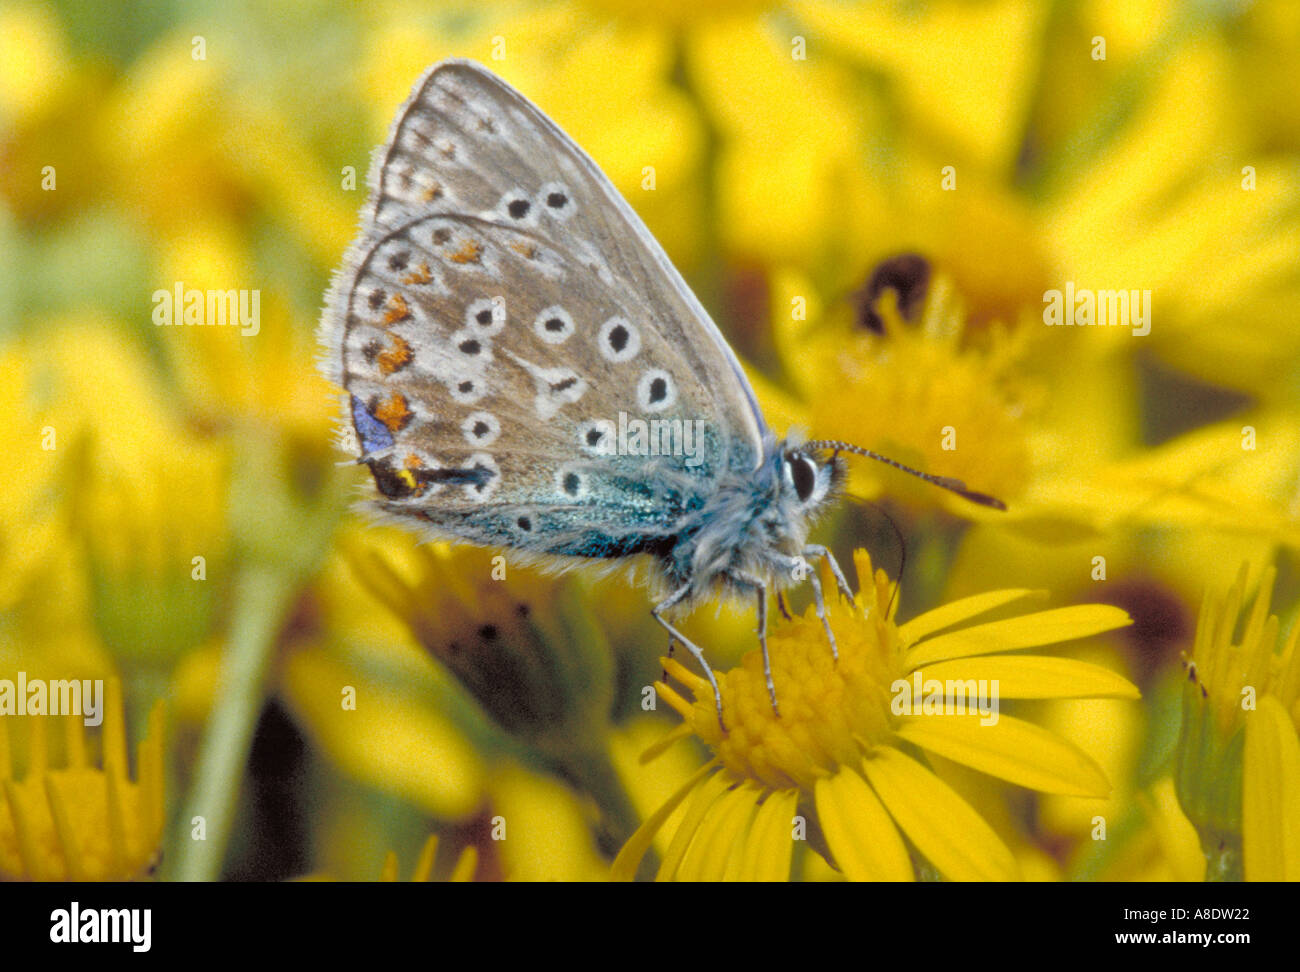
(33, 62)
(1167, 190)
(462, 870)
(844, 759)
(82, 822)
(1162, 846)
(924, 395)
(377, 730)
(133, 508)
(1239, 755)
(370, 699)
(542, 830)
(526, 647)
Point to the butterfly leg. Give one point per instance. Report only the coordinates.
(677, 597)
(780, 602)
(800, 569)
(820, 604)
(817, 550)
(756, 585)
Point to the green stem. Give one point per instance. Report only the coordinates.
(595, 775)
(1222, 858)
(262, 598)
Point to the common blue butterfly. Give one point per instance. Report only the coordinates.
(524, 368)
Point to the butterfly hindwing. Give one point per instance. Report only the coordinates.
(503, 324)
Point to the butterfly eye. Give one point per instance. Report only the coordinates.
(803, 474)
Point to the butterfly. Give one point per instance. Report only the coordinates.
(524, 368)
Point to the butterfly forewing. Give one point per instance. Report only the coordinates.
(503, 322)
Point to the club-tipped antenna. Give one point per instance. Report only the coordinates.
(943, 482)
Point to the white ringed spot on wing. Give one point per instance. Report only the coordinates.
(517, 209)
(480, 428)
(554, 325)
(656, 390)
(571, 484)
(598, 437)
(486, 316)
(555, 199)
(619, 340)
(472, 346)
(467, 388)
(557, 387)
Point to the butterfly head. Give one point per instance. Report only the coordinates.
(810, 477)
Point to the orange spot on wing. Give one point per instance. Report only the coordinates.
(393, 412)
(469, 253)
(524, 249)
(420, 275)
(432, 193)
(395, 358)
(397, 309)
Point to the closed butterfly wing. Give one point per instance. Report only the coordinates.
(505, 321)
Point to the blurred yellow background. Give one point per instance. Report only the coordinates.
(174, 511)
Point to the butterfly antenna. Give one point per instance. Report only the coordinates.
(943, 482)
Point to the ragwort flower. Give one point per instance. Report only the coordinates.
(81, 822)
(1238, 770)
(845, 757)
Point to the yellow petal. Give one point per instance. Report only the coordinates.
(1026, 631)
(1180, 847)
(665, 743)
(706, 858)
(673, 698)
(395, 742)
(771, 844)
(629, 858)
(1036, 677)
(1010, 749)
(943, 826)
(706, 796)
(1270, 803)
(739, 860)
(946, 616)
(465, 867)
(424, 864)
(860, 834)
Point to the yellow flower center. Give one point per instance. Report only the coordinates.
(831, 712)
(911, 392)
